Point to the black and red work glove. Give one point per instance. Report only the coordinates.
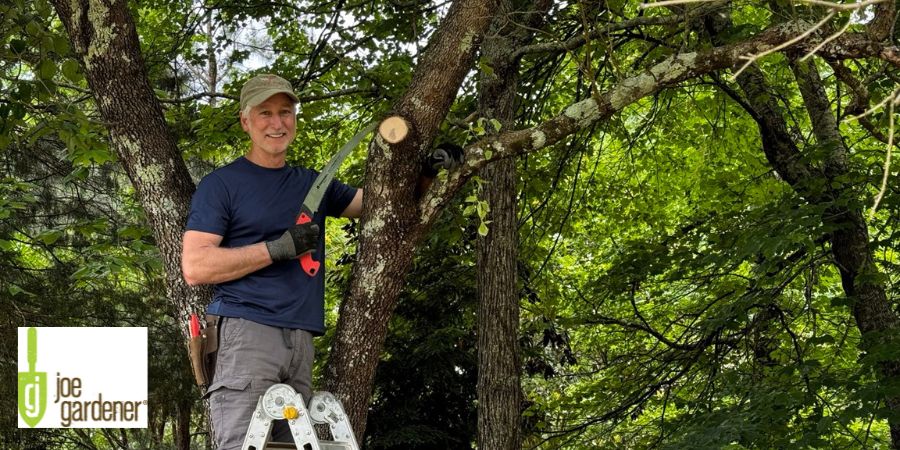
(297, 240)
(445, 156)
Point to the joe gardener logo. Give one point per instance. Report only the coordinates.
(97, 377)
(32, 386)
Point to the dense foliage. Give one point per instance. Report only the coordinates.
(676, 289)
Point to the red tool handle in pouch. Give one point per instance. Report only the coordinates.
(309, 265)
(195, 326)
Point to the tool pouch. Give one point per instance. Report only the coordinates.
(195, 348)
(203, 350)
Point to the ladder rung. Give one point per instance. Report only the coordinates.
(333, 445)
(325, 445)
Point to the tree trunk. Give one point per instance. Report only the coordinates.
(861, 279)
(391, 224)
(105, 41)
(876, 321)
(212, 64)
(182, 426)
(499, 389)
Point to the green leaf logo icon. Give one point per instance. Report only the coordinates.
(32, 386)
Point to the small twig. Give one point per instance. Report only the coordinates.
(887, 160)
(753, 58)
(303, 97)
(674, 2)
(842, 6)
(588, 68)
(198, 96)
(890, 98)
(831, 5)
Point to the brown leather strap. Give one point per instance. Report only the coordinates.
(195, 349)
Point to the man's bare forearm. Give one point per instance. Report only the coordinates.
(214, 264)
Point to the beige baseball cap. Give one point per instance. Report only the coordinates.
(259, 88)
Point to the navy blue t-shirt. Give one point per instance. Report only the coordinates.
(245, 204)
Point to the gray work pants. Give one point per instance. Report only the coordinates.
(251, 358)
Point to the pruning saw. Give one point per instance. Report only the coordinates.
(314, 197)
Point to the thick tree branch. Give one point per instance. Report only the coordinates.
(669, 72)
(824, 124)
(882, 25)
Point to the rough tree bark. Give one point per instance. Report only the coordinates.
(104, 39)
(391, 226)
(499, 391)
(103, 36)
(499, 365)
(182, 426)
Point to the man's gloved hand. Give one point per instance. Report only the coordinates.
(445, 156)
(297, 240)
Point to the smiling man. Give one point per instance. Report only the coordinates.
(241, 236)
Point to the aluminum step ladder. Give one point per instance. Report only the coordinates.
(282, 402)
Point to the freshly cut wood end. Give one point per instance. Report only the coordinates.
(393, 129)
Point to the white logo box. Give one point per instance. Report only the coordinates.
(111, 363)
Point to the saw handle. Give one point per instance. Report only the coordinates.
(309, 265)
(195, 326)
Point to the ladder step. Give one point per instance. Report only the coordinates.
(325, 445)
(335, 445)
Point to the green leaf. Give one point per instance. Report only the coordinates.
(82, 273)
(33, 29)
(488, 154)
(47, 69)
(72, 71)
(61, 45)
(841, 301)
(15, 290)
(825, 339)
(48, 237)
(17, 45)
(131, 232)
(483, 229)
(485, 68)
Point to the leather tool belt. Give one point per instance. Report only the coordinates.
(203, 350)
